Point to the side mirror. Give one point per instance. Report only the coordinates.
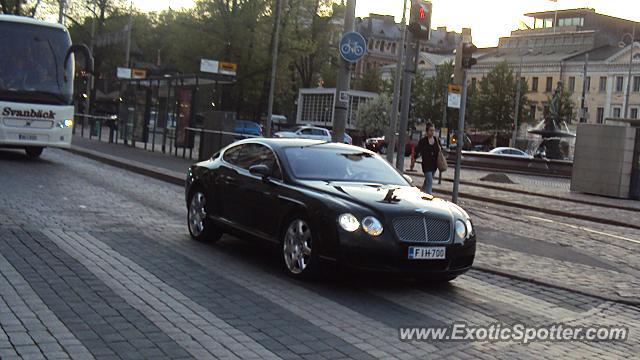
(88, 57)
(260, 170)
(408, 178)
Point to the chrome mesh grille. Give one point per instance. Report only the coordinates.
(422, 229)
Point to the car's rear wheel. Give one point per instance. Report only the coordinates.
(299, 250)
(201, 227)
(34, 152)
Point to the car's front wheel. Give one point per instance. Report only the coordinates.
(201, 227)
(299, 250)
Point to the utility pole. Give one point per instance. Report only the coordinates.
(419, 29)
(393, 121)
(410, 67)
(583, 111)
(344, 80)
(460, 137)
(516, 112)
(61, 11)
(464, 61)
(626, 98)
(127, 56)
(274, 68)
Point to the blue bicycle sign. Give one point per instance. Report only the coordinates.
(352, 46)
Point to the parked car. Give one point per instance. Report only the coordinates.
(510, 152)
(311, 132)
(379, 144)
(248, 127)
(324, 202)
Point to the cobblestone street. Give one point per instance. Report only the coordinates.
(97, 262)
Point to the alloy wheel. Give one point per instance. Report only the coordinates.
(297, 247)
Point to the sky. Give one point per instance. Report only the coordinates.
(488, 19)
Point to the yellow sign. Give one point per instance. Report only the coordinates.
(138, 73)
(455, 89)
(227, 68)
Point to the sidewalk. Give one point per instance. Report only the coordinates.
(172, 169)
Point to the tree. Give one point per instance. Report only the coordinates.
(492, 107)
(373, 116)
(369, 81)
(428, 95)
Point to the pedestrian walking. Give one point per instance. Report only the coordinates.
(429, 149)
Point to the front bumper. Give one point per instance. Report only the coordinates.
(387, 254)
(24, 137)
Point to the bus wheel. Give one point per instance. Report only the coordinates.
(34, 152)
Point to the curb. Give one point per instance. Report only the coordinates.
(177, 179)
(539, 209)
(133, 166)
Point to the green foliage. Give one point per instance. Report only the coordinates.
(491, 105)
(373, 116)
(370, 81)
(428, 95)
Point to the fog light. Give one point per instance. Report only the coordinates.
(372, 226)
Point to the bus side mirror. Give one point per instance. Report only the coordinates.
(88, 57)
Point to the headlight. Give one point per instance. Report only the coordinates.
(469, 227)
(372, 226)
(66, 123)
(461, 230)
(348, 222)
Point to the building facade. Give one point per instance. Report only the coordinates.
(580, 48)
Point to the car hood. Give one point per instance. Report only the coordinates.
(388, 200)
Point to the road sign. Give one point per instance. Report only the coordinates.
(352, 46)
(454, 97)
(209, 66)
(138, 73)
(124, 73)
(227, 68)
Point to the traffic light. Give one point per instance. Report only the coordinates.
(420, 20)
(467, 56)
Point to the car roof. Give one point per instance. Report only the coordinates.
(282, 143)
(31, 21)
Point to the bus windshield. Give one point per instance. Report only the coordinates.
(32, 64)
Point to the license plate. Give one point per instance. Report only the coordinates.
(427, 253)
(28, 137)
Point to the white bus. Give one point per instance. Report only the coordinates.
(36, 84)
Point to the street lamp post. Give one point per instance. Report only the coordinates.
(626, 98)
(517, 109)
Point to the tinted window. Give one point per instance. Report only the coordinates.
(247, 155)
(318, 132)
(322, 163)
(233, 154)
(306, 131)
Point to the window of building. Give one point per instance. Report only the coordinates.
(634, 113)
(532, 111)
(587, 84)
(616, 112)
(534, 84)
(619, 83)
(576, 21)
(602, 86)
(586, 115)
(572, 84)
(549, 86)
(600, 115)
(636, 83)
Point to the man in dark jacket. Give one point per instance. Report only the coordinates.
(428, 148)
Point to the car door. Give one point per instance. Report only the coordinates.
(305, 133)
(261, 195)
(230, 183)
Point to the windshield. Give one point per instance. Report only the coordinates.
(334, 164)
(31, 65)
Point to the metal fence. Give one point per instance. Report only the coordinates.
(113, 130)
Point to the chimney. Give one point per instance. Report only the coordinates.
(466, 35)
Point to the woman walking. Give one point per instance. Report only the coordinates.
(428, 148)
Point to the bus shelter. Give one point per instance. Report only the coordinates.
(159, 110)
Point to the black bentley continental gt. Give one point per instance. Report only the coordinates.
(326, 202)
